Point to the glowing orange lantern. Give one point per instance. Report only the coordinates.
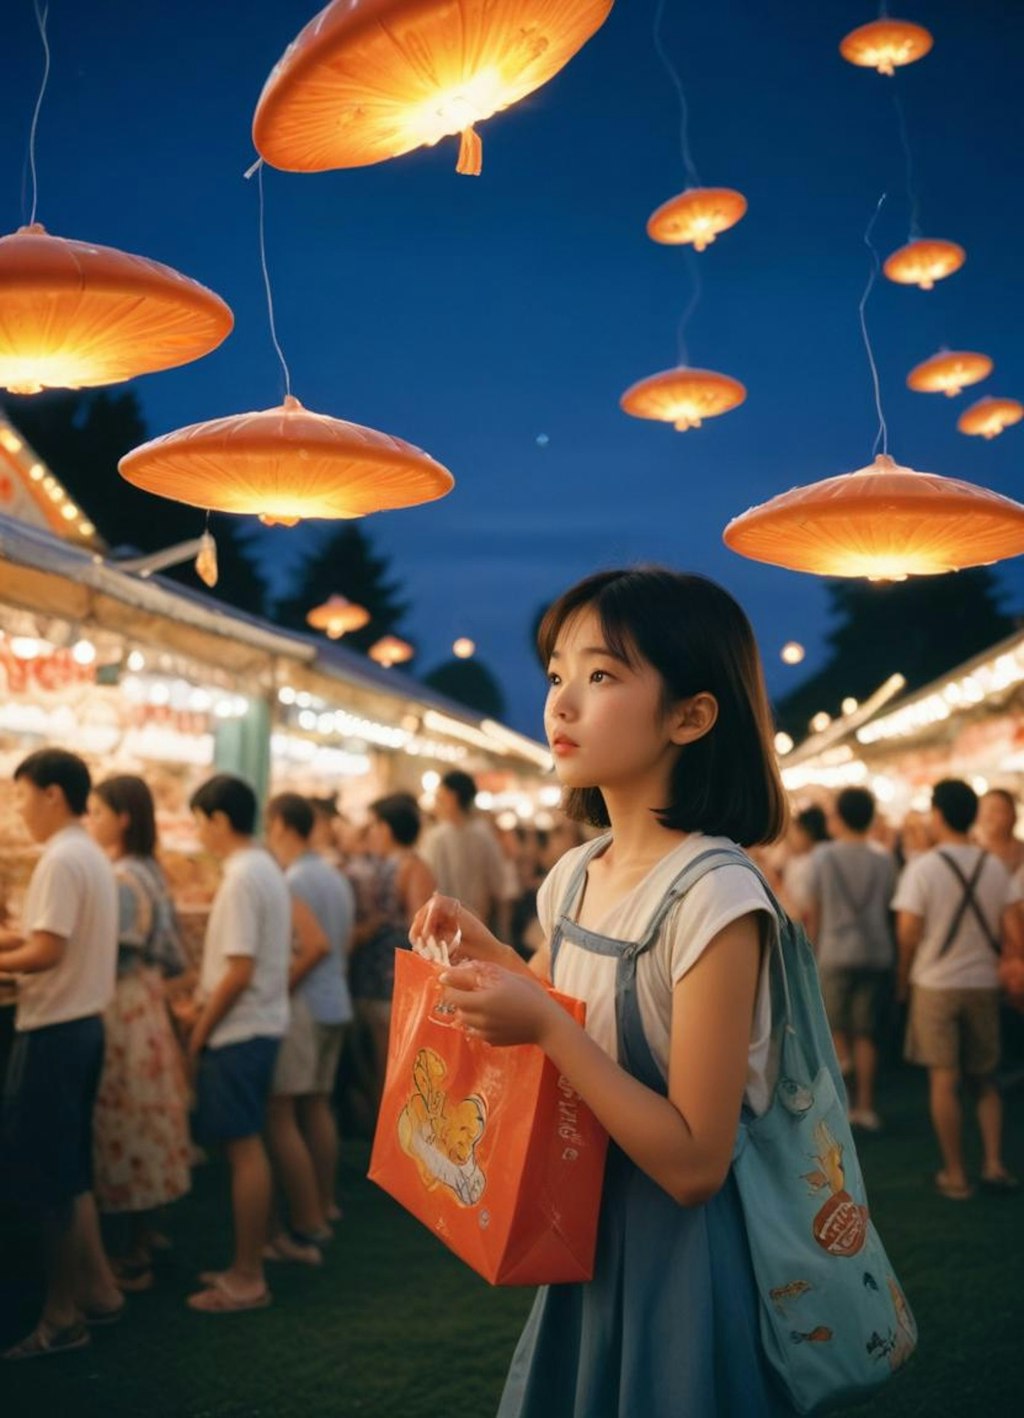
(684, 397)
(368, 80)
(464, 648)
(337, 616)
(884, 522)
(73, 315)
(886, 45)
(792, 653)
(988, 417)
(696, 216)
(391, 651)
(923, 262)
(284, 464)
(947, 373)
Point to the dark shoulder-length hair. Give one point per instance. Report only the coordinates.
(131, 796)
(699, 640)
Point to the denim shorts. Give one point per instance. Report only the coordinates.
(232, 1088)
(52, 1079)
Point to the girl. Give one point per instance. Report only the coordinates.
(140, 1123)
(660, 727)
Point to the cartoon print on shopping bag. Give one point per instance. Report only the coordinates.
(441, 1136)
(841, 1226)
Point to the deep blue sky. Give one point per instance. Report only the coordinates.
(471, 316)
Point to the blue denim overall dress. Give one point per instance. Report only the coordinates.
(668, 1327)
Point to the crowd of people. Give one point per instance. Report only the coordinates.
(130, 1059)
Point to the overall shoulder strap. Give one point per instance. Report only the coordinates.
(968, 902)
(688, 878)
(578, 872)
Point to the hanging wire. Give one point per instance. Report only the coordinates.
(882, 436)
(908, 157)
(257, 167)
(684, 120)
(687, 315)
(42, 12)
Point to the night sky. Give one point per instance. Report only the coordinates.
(496, 321)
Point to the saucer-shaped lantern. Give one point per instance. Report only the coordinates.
(923, 262)
(683, 397)
(886, 45)
(884, 522)
(988, 417)
(696, 216)
(368, 80)
(949, 372)
(390, 651)
(464, 648)
(285, 464)
(74, 315)
(337, 616)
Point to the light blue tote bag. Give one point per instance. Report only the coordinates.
(834, 1321)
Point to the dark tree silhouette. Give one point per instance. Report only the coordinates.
(471, 683)
(81, 436)
(346, 565)
(919, 628)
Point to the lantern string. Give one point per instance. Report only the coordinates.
(684, 120)
(687, 315)
(257, 167)
(908, 157)
(42, 13)
(882, 435)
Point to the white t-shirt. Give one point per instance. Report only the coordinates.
(719, 898)
(928, 888)
(252, 915)
(466, 862)
(72, 894)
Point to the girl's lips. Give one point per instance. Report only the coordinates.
(563, 746)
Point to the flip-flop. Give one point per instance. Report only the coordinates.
(133, 1276)
(218, 1300)
(952, 1191)
(290, 1252)
(41, 1344)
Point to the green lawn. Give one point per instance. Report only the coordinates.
(393, 1325)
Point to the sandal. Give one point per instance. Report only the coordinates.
(952, 1191)
(133, 1276)
(1000, 1182)
(93, 1318)
(217, 1299)
(295, 1252)
(44, 1342)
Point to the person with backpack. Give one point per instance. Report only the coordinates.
(954, 905)
(848, 889)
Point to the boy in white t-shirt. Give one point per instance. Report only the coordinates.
(65, 957)
(954, 905)
(241, 1016)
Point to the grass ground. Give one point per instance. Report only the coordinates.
(394, 1325)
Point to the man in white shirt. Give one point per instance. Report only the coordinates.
(464, 855)
(954, 905)
(242, 1014)
(65, 956)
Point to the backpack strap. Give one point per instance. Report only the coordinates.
(968, 902)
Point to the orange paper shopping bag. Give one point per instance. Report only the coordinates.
(490, 1148)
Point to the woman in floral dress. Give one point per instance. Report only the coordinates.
(140, 1125)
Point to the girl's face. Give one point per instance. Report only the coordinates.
(106, 825)
(379, 838)
(606, 720)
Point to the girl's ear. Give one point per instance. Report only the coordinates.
(692, 718)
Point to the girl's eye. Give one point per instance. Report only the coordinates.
(553, 678)
(599, 676)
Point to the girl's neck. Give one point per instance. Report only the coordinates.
(116, 852)
(637, 835)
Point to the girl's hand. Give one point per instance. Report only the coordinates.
(500, 1006)
(441, 918)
